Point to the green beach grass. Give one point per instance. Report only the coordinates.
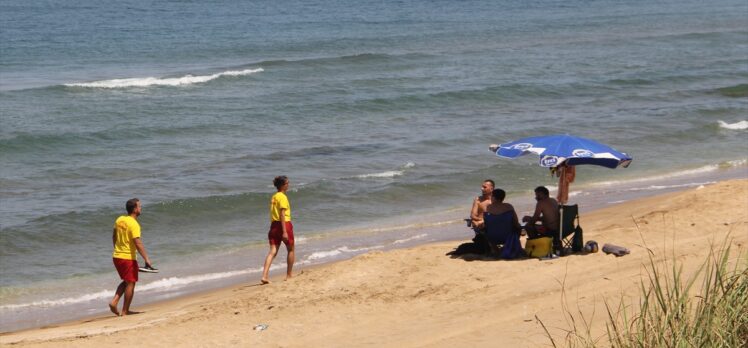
(672, 310)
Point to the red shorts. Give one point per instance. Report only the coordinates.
(540, 229)
(127, 269)
(275, 235)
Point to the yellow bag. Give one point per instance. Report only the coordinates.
(539, 247)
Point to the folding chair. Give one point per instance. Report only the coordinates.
(500, 231)
(570, 232)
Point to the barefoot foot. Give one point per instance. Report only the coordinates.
(264, 281)
(113, 308)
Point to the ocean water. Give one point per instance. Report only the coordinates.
(380, 112)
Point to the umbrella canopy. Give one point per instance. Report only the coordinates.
(555, 150)
(561, 153)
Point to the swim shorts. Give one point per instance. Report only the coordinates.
(275, 235)
(542, 231)
(127, 269)
(545, 231)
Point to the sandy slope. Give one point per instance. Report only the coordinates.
(420, 297)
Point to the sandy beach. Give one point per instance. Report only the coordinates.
(421, 297)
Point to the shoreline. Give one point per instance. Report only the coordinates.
(432, 229)
(361, 282)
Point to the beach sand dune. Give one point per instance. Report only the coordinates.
(420, 297)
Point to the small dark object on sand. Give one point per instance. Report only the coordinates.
(615, 250)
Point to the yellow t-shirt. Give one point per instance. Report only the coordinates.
(127, 230)
(277, 202)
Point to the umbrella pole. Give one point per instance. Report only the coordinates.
(563, 191)
(561, 232)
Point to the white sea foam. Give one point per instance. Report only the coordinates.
(177, 282)
(736, 163)
(335, 252)
(400, 241)
(155, 81)
(413, 226)
(158, 285)
(616, 202)
(387, 174)
(741, 125)
(62, 301)
(665, 187)
(695, 171)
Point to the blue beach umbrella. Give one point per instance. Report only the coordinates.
(564, 152)
(556, 150)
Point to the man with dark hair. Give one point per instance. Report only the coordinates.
(480, 203)
(281, 228)
(499, 207)
(126, 241)
(546, 212)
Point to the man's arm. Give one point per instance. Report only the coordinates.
(141, 249)
(114, 237)
(283, 224)
(531, 220)
(474, 216)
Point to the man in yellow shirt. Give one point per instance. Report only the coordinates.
(281, 229)
(126, 240)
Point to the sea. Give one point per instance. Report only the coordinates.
(380, 113)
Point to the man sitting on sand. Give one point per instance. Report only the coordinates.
(498, 207)
(546, 212)
(480, 203)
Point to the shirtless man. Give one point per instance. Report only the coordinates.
(546, 211)
(480, 203)
(498, 207)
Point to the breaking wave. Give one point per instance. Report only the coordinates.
(155, 81)
(387, 174)
(733, 126)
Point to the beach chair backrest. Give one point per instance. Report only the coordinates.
(498, 227)
(569, 219)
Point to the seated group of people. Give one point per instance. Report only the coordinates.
(544, 221)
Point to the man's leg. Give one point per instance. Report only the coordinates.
(129, 294)
(117, 294)
(532, 231)
(290, 260)
(268, 260)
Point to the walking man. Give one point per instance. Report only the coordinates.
(126, 240)
(281, 229)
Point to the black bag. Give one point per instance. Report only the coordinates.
(577, 242)
(479, 245)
